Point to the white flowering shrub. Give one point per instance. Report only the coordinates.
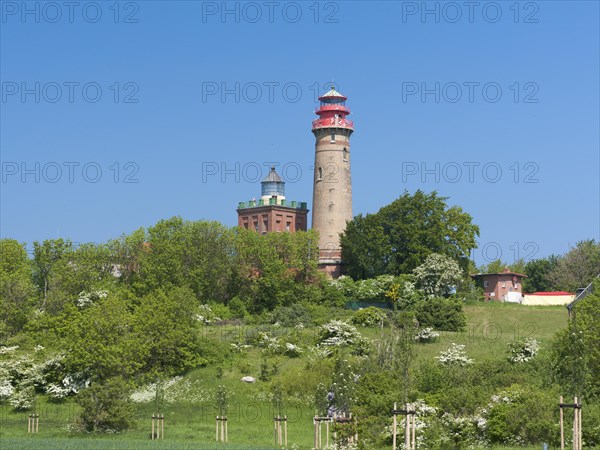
(23, 398)
(57, 391)
(523, 350)
(370, 290)
(345, 285)
(437, 276)
(338, 333)
(21, 376)
(239, 347)
(7, 350)
(88, 298)
(454, 356)
(206, 315)
(460, 432)
(270, 343)
(293, 351)
(6, 389)
(317, 353)
(426, 335)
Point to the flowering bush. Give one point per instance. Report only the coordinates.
(370, 290)
(6, 350)
(292, 350)
(88, 298)
(270, 343)
(438, 275)
(337, 333)
(523, 350)
(6, 389)
(426, 335)
(239, 347)
(454, 356)
(23, 398)
(206, 315)
(317, 353)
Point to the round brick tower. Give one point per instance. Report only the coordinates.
(332, 192)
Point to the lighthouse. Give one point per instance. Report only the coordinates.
(332, 186)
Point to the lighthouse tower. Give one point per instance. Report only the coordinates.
(332, 192)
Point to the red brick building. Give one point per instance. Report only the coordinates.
(505, 286)
(272, 212)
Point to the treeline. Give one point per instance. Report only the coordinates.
(569, 272)
(251, 273)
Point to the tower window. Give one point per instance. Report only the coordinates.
(320, 174)
(332, 137)
(345, 154)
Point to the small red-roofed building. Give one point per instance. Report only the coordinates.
(505, 286)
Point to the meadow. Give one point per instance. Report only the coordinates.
(190, 419)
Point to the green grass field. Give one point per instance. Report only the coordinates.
(191, 423)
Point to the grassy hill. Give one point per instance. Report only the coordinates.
(189, 417)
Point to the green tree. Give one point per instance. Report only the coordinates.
(166, 331)
(106, 407)
(578, 267)
(100, 341)
(444, 314)
(401, 235)
(181, 253)
(276, 269)
(576, 349)
(46, 257)
(538, 274)
(16, 288)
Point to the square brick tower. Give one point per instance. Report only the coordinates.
(272, 212)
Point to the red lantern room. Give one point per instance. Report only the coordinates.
(332, 112)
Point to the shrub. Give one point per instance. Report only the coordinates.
(521, 416)
(444, 314)
(426, 335)
(290, 316)
(337, 333)
(106, 407)
(368, 317)
(238, 308)
(454, 356)
(523, 350)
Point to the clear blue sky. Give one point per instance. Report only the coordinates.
(542, 131)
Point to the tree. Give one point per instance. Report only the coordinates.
(181, 253)
(538, 274)
(365, 247)
(46, 257)
(276, 269)
(576, 349)
(401, 235)
(106, 407)
(578, 267)
(438, 276)
(100, 341)
(166, 331)
(16, 288)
